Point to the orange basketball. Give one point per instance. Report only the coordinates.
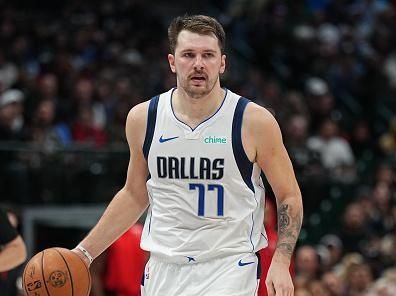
(56, 272)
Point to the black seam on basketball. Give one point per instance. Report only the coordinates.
(42, 271)
(68, 269)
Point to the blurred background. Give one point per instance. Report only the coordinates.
(70, 71)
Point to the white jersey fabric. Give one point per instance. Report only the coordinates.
(206, 197)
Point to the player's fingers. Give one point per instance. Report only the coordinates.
(283, 290)
(291, 292)
(270, 288)
(288, 291)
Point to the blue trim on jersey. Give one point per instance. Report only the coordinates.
(151, 214)
(266, 238)
(251, 233)
(142, 279)
(151, 119)
(244, 165)
(193, 129)
(258, 265)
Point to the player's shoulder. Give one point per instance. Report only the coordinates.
(256, 114)
(260, 123)
(136, 121)
(139, 111)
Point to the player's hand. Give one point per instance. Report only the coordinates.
(278, 280)
(82, 256)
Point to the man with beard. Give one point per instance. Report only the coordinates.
(196, 156)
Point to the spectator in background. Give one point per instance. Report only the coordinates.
(317, 288)
(45, 133)
(381, 220)
(307, 264)
(8, 72)
(362, 143)
(385, 285)
(85, 131)
(48, 90)
(46, 138)
(388, 140)
(321, 102)
(84, 99)
(115, 127)
(306, 161)
(295, 104)
(303, 292)
(333, 283)
(358, 279)
(334, 246)
(13, 173)
(354, 228)
(11, 115)
(336, 153)
(386, 174)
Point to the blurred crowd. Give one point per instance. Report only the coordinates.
(70, 71)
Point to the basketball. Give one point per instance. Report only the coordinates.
(56, 272)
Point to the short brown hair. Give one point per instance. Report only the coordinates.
(200, 24)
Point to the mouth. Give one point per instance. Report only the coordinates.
(198, 78)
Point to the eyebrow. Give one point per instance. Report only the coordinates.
(192, 50)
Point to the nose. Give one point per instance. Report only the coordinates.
(198, 63)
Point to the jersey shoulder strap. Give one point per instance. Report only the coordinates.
(244, 165)
(151, 119)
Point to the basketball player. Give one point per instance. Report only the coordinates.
(196, 156)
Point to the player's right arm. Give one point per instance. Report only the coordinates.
(131, 201)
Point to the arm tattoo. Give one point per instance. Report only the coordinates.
(283, 219)
(289, 226)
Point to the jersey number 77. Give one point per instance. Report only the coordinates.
(201, 197)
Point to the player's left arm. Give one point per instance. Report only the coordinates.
(263, 144)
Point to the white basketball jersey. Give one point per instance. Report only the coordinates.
(206, 197)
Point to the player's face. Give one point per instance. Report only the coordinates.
(197, 62)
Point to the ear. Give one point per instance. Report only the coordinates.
(171, 60)
(223, 64)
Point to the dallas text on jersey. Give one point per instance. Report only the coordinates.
(190, 168)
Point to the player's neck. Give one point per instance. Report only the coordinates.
(193, 111)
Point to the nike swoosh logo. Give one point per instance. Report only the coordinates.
(240, 263)
(162, 140)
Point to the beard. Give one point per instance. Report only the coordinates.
(198, 91)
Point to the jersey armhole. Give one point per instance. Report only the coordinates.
(244, 164)
(150, 128)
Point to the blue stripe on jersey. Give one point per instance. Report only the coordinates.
(244, 165)
(258, 265)
(142, 279)
(151, 119)
(251, 231)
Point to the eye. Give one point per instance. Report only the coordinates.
(188, 55)
(208, 55)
